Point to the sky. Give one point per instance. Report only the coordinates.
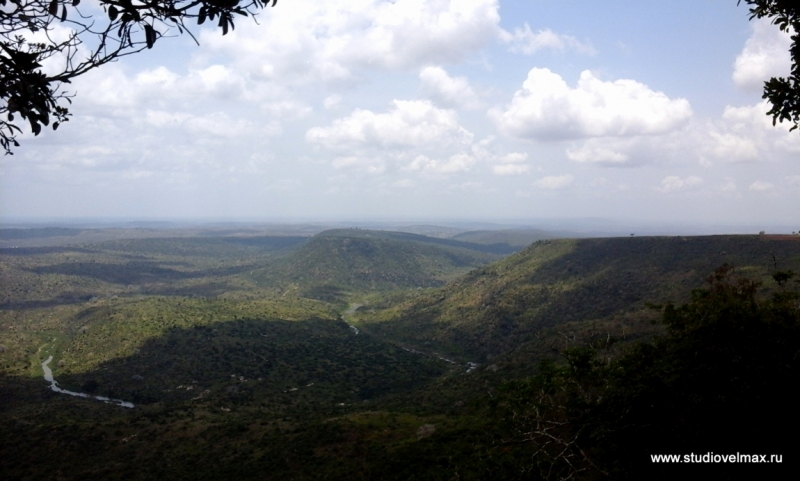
(425, 110)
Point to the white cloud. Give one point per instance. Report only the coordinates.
(525, 41)
(765, 55)
(456, 163)
(673, 183)
(334, 40)
(332, 101)
(370, 165)
(746, 134)
(761, 186)
(732, 147)
(514, 158)
(414, 123)
(217, 124)
(591, 152)
(511, 164)
(446, 90)
(553, 182)
(754, 121)
(473, 188)
(160, 118)
(546, 108)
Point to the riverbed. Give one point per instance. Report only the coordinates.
(48, 376)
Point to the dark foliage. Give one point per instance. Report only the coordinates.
(27, 39)
(783, 93)
(721, 380)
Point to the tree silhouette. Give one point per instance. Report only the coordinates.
(782, 93)
(46, 43)
(716, 381)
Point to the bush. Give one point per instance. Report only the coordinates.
(721, 380)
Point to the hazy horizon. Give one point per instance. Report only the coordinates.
(497, 110)
(583, 227)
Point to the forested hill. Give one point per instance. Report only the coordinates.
(377, 260)
(498, 307)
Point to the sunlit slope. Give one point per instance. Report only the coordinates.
(498, 307)
(278, 353)
(173, 266)
(356, 259)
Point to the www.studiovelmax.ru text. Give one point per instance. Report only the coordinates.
(717, 458)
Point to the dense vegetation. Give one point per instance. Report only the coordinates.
(720, 380)
(239, 358)
(504, 306)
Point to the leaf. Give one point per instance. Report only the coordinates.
(201, 18)
(53, 8)
(149, 36)
(55, 125)
(64, 13)
(75, 3)
(112, 13)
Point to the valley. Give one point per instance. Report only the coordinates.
(340, 354)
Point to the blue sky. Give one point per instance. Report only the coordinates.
(424, 110)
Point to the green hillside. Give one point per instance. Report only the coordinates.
(237, 354)
(502, 306)
(363, 260)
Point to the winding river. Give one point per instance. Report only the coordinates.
(48, 376)
(350, 311)
(471, 366)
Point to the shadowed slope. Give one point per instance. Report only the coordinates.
(498, 307)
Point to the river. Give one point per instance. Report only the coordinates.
(471, 366)
(350, 311)
(48, 376)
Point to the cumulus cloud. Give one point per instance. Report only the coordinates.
(447, 91)
(456, 163)
(746, 134)
(334, 40)
(115, 90)
(733, 147)
(414, 134)
(217, 124)
(591, 152)
(332, 101)
(525, 41)
(765, 55)
(370, 165)
(546, 108)
(761, 186)
(511, 164)
(554, 182)
(673, 183)
(414, 123)
(743, 134)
